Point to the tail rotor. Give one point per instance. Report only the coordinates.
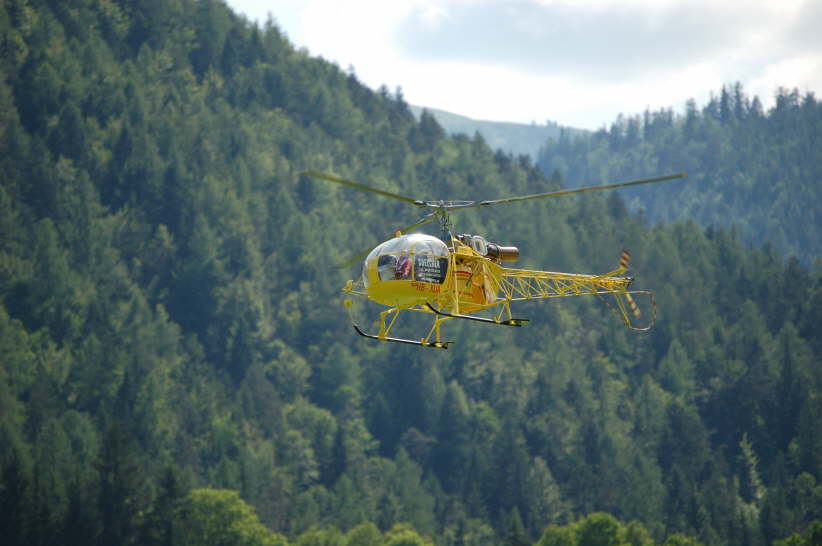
(627, 309)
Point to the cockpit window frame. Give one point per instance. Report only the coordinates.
(410, 246)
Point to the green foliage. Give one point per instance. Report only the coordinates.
(752, 170)
(602, 529)
(364, 534)
(176, 369)
(811, 537)
(404, 535)
(216, 516)
(678, 539)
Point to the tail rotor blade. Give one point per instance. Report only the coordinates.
(624, 259)
(633, 306)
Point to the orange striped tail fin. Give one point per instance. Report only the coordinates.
(624, 258)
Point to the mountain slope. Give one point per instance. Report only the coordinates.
(174, 351)
(758, 172)
(513, 138)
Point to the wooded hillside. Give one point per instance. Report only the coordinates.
(177, 368)
(756, 171)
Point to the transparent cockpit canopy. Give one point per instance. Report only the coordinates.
(395, 257)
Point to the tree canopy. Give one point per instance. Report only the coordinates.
(176, 364)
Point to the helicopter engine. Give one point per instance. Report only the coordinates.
(492, 251)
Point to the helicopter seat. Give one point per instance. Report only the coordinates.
(406, 270)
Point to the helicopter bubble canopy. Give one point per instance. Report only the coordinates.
(412, 257)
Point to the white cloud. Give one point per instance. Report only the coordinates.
(578, 62)
(801, 72)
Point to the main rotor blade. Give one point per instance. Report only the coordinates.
(361, 255)
(577, 190)
(336, 180)
(424, 220)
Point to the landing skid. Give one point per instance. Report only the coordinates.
(385, 329)
(510, 322)
(433, 344)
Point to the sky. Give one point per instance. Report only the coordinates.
(579, 63)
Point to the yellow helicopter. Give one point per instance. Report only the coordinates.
(464, 276)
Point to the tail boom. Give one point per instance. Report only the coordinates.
(522, 284)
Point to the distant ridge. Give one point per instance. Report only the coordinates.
(510, 137)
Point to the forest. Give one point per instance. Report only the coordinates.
(176, 366)
(757, 173)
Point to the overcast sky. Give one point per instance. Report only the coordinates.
(577, 62)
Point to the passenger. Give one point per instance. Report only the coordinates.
(402, 271)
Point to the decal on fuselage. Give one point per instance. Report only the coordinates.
(430, 269)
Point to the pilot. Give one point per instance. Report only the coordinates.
(386, 266)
